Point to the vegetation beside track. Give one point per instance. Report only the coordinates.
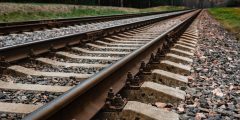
(11, 12)
(229, 18)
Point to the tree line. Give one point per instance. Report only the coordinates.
(119, 3)
(139, 3)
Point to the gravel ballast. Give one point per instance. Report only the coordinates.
(52, 68)
(27, 97)
(214, 93)
(89, 61)
(42, 80)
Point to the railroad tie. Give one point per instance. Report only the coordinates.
(33, 87)
(181, 52)
(184, 47)
(17, 107)
(188, 36)
(57, 63)
(186, 43)
(177, 68)
(168, 78)
(26, 71)
(118, 44)
(99, 52)
(73, 56)
(128, 33)
(178, 59)
(194, 34)
(134, 109)
(189, 39)
(137, 37)
(150, 92)
(125, 41)
(107, 47)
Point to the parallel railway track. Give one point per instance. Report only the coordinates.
(69, 77)
(20, 44)
(18, 27)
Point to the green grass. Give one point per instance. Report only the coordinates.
(18, 16)
(163, 8)
(229, 18)
(12, 12)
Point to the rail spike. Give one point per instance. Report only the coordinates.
(154, 59)
(114, 103)
(147, 70)
(133, 83)
(140, 73)
(151, 58)
(165, 47)
(142, 65)
(110, 95)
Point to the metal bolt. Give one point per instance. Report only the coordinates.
(147, 68)
(118, 101)
(129, 75)
(142, 65)
(136, 80)
(110, 95)
(108, 104)
(151, 60)
(164, 50)
(158, 52)
(128, 84)
(140, 74)
(73, 78)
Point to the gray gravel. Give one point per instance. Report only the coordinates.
(106, 49)
(27, 97)
(215, 92)
(42, 80)
(11, 116)
(52, 68)
(15, 39)
(114, 45)
(93, 54)
(89, 61)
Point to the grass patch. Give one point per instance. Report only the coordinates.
(229, 18)
(12, 12)
(163, 8)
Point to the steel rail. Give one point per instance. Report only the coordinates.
(6, 28)
(17, 52)
(87, 98)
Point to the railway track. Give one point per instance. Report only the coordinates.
(69, 77)
(20, 44)
(26, 26)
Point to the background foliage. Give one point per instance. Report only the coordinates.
(139, 3)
